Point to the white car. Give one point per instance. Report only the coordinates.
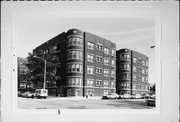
(27, 94)
(41, 93)
(111, 96)
(126, 96)
(137, 96)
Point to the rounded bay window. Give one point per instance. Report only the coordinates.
(74, 62)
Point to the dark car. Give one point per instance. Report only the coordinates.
(151, 102)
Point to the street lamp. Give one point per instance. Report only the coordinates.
(44, 69)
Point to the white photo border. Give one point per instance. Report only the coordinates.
(9, 67)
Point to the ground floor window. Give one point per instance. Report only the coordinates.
(121, 92)
(106, 92)
(68, 92)
(77, 92)
(90, 92)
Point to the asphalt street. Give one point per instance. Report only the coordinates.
(81, 103)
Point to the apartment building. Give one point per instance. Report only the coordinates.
(132, 72)
(87, 64)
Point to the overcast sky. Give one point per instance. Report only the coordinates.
(30, 29)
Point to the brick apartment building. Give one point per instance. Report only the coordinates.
(132, 72)
(88, 64)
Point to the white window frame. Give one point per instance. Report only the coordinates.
(113, 73)
(108, 74)
(98, 82)
(106, 63)
(113, 52)
(106, 83)
(100, 45)
(112, 63)
(91, 83)
(113, 84)
(106, 50)
(98, 58)
(91, 72)
(98, 70)
(91, 59)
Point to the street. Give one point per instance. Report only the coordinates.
(81, 103)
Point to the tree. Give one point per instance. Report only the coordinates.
(36, 68)
(22, 73)
(153, 89)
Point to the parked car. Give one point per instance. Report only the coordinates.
(19, 94)
(136, 96)
(110, 96)
(151, 102)
(41, 93)
(27, 94)
(153, 96)
(120, 96)
(126, 96)
(146, 96)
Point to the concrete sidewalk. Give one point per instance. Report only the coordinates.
(74, 98)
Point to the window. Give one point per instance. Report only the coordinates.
(74, 68)
(125, 76)
(113, 52)
(143, 79)
(98, 70)
(143, 71)
(90, 92)
(134, 68)
(68, 92)
(128, 86)
(90, 70)
(106, 92)
(106, 72)
(106, 83)
(134, 77)
(147, 63)
(124, 67)
(139, 78)
(106, 50)
(134, 86)
(125, 57)
(135, 60)
(90, 45)
(113, 84)
(99, 46)
(139, 69)
(75, 41)
(90, 82)
(74, 81)
(90, 58)
(75, 54)
(98, 82)
(54, 48)
(106, 61)
(99, 58)
(113, 74)
(146, 71)
(143, 63)
(113, 64)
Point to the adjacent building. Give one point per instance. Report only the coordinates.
(87, 64)
(132, 72)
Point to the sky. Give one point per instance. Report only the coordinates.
(30, 29)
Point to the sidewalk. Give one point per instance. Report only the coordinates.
(75, 98)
